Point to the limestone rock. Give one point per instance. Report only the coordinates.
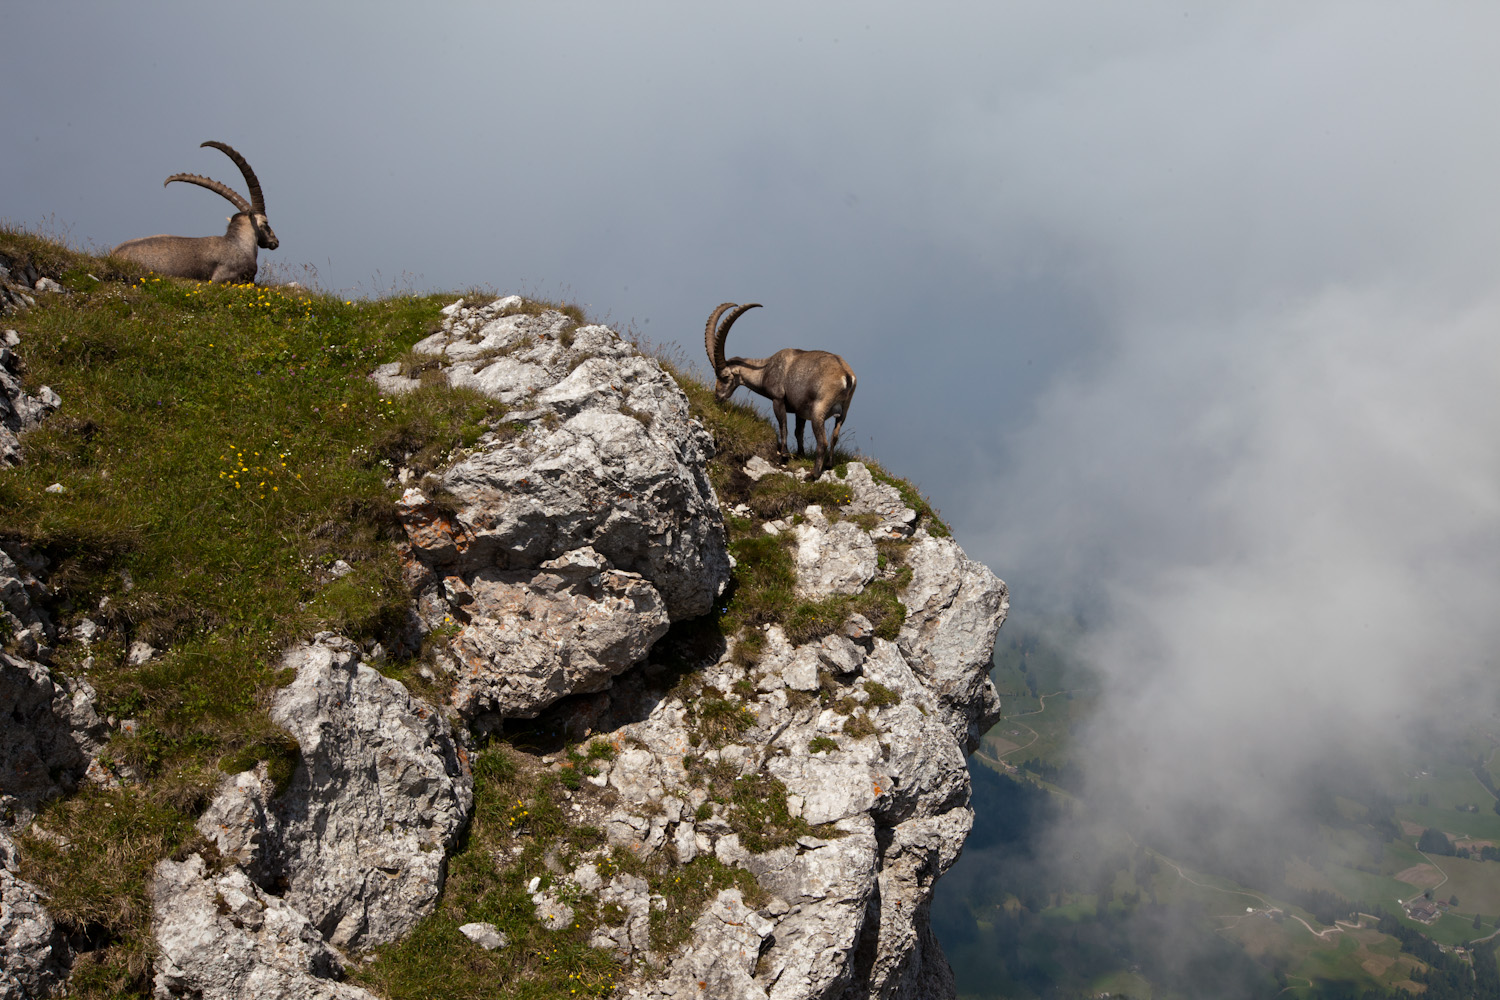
(758, 468)
(359, 839)
(33, 954)
(720, 962)
(832, 559)
(50, 738)
(18, 585)
(487, 936)
(533, 637)
(954, 608)
(870, 497)
(633, 896)
(221, 937)
(609, 459)
(831, 884)
(551, 911)
(19, 412)
(898, 955)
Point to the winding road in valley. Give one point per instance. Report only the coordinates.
(999, 759)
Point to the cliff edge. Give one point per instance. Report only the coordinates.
(689, 720)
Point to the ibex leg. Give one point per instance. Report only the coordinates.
(824, 456)
(833, 442)
(779, 408)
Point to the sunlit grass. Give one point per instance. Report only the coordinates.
(217, 449)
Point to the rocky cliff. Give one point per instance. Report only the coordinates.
(686, 706)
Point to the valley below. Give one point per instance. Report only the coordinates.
(1384, 881)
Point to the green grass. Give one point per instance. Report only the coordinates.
(218, 447)
(517, 817)
(101, 881)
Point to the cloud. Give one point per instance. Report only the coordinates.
(1272, 478)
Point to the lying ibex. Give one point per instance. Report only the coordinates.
(230, 257)
(813, 385)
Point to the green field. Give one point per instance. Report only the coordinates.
(1360, 850)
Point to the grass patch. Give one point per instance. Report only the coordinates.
(880, 695)
(811, 620)
(777, 496)
(717, 720)
(219, 446)
(758, 812)
(98, 887)
(755, 806)
(518, 818)
(859, 725)
(685, 888)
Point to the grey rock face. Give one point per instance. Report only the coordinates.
(532, 637)
(609, 460)
(723, 966)
(870, 497)
(832, 559)
(954, 608)
(51, 737)
(360, 837)
(848, 917)
(17, 587)
(221, 937)
(32, 952)
(19, 412)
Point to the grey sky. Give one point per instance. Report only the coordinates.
(1190, 308)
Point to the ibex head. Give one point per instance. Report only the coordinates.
(727, 377)
(254, 210)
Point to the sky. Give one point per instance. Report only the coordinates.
(1183, 314)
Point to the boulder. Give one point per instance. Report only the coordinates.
(832, 558)
(50, 740)
(609, 458)
(33, 954)
(222, 937)
(532, 637)
(358, 841)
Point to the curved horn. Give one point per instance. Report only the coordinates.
(715, 347)
(212, 185)
(717, 351)
(257, 200)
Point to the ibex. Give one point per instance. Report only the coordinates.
(813, 385)
(230, 257)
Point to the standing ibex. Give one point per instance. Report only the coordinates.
(230, 257)
(814, 385)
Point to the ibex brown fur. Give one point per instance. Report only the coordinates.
(813, 385)
(230, 257)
